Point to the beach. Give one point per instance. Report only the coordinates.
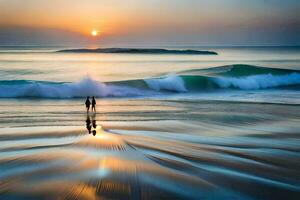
(220, 126)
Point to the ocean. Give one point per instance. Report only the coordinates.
(166, 126)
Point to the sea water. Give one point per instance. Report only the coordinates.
(220, 126)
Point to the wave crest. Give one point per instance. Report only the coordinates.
(289, 79)
(258, 81)
(83, 88)
(171, 83)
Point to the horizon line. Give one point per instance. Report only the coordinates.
(150, 46)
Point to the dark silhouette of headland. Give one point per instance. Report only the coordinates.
(139, 51)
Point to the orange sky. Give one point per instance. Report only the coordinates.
(156, 17)
(116, 16)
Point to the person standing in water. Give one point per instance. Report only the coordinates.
(87, 104)
(94, 104)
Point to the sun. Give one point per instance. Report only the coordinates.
(94, 33)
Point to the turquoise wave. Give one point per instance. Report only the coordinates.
(238, 70)
(242, 77)
(239, 77)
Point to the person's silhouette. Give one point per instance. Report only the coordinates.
(88, 123)
(94, 104)
(87, 104)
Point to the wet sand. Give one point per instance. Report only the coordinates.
(149, 150)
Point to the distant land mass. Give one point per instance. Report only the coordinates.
(139, 51)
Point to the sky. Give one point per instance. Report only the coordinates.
(150, 22)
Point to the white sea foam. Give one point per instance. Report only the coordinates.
(171, 82)
(258, 81)
(174, 83)
(83, 88)
(88, 87)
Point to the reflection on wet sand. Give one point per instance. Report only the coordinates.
(88, 123)
(95, 167)
(212, 158)
(91, 125)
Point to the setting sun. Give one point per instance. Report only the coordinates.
(94, 33)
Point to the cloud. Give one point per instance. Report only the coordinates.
(40, 36)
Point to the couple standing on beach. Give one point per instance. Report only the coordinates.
(88, 104)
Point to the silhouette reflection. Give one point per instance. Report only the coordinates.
(88, 123)
(91, 125)
(94, 121)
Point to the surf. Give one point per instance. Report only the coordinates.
(237, 77)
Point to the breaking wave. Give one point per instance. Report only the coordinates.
(228, 77)
(259, 81)
(83, 88)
